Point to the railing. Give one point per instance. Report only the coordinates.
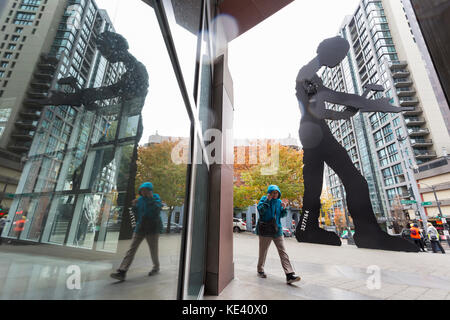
(418, 131)
(424, 153)
(414, 119)
(421, 141)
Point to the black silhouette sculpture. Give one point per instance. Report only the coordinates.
(132, 85)
(321, 147)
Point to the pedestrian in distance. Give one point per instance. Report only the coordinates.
(433, 235)
(3, 221)
(147, 210)
(416, 237)
(271, 209)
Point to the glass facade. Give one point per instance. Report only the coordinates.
(86, 128)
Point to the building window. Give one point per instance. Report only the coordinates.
(24, 18)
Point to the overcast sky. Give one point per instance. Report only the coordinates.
(264, 63)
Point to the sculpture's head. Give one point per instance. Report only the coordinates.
(332, 51)
(112, 46)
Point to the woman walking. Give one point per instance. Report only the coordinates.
(148, 226)
(271, 209)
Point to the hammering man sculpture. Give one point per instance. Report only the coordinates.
(131, 90)
(321, 147)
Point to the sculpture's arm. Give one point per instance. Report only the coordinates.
(84, 96)
(358, 102)
(309, 71)
(318, 109)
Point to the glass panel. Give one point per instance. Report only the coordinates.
(91, 135)
(59, 219)
(184, 21)
(37, 217)
(200, 211)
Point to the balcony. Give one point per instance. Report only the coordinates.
(424, 154)
(35, 115)
(44, 76)
(47, 67)
(40, 85)
(416, 143)
(418, 132)
(408, 101)
(400, 73)
(37, 95)
(23, 135)
(406, 92)
(415, 121)
(417, 111)
(20, 148)
(27, 124)
(402, 82)
(49, 59)
(33, 104)
(398, 64)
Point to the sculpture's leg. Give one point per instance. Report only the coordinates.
(368, 232)
(308, 229)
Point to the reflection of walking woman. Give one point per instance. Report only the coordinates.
(148, 226)
(271, 207)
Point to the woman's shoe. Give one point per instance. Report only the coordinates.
(119, 275)
(262, 275)
(153, 272)
(291, 278)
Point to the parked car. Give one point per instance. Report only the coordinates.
(174, 227)
(239, 225)
(344, 234)
(287, 233)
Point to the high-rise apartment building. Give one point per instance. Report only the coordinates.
(386, 147)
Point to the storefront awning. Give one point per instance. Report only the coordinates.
(249, 13)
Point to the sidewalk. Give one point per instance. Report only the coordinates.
(337, 273)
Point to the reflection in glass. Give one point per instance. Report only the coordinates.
(59, 219)
(80, 175)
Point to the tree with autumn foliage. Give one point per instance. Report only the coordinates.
(327, 202)
(155, 165)
(286, 172)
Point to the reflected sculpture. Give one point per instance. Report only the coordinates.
(321, 147)
(131, 85)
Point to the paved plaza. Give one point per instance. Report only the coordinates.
(327, 273)
(344, 272)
